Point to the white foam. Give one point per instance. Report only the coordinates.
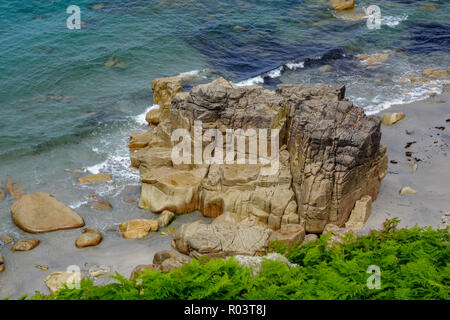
(140, 118)
(192, 73)
(392, 21)
(251, 81)
(295, 65)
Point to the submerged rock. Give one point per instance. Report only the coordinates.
(115, 63)
(56, 280)
(6, 239)
(435, 73)
(14, 188)
(95, 178)
(90, 237)
(101, 205)
(42, 212)
(137, 229)
(342, 4)
(26, 244)
(373, 58)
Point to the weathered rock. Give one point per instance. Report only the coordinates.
(138, 269)
(220, 239)
(165, 218)
(26, 244)
(153, 116)
(6, 239)
(2, 194)
(436, 73)
(95, 178)
(407, 190)
(2, 263)
(90, 237)
(335, 154)
(41, 212)
(360, 213)
(389, 119)
(56, 280)
(342, 4)
(42, 268)
(14, 188)
(169, 260)
(98, 271)
(256, 263)
(288, 233)
(330, 156)
(137, 229)
(101, 205)
(337, 234)
(310, 238)
(164, 90)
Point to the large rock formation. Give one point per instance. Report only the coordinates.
(42, 212)
(329, 156)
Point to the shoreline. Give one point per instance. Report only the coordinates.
(57, 250)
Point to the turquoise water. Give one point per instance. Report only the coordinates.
(63, 113)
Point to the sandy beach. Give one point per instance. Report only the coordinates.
(429, 151)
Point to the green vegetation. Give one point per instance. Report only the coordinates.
(414, 264)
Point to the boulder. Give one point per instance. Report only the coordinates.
(138, 269)
(41, 212)
(389, 119)
(2, 263)
(445, 221)
(310, 238)
(98, 271)
(407, 190)
(101, 205)
(165, 218)
(153, 116)
(26, 244)
(90, 237)
(256, 263)
(137, 229)
(220, 239)
(6, 239)
(360, 213)
(169, 260)
(337, 234)
(435, 73)
(94, 178)
(56, 280)
(342, 4)
(14, 188)
(164, 90)
(288, 233)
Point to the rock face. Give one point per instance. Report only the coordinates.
(137, 229)
(256, 263)
(57, 280)
(26, 244)
(220, 239)
(360, 213)
(342, 4)
(329, 155)
(90, 237)
(41, 212)
(164, 90)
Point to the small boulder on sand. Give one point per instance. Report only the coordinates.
(26, 244)
(389, 119)
(90, 237)
(407, 190)
(138, 228)
(94, 178)
(2, 263)
(57, 280)
(42, 212)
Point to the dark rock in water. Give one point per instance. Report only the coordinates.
(428, 37)
(115, 63)
(269, 81)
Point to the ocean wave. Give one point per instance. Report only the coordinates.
(193, 73)
(392, 21)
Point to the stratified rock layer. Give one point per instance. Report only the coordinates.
(329, 156)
